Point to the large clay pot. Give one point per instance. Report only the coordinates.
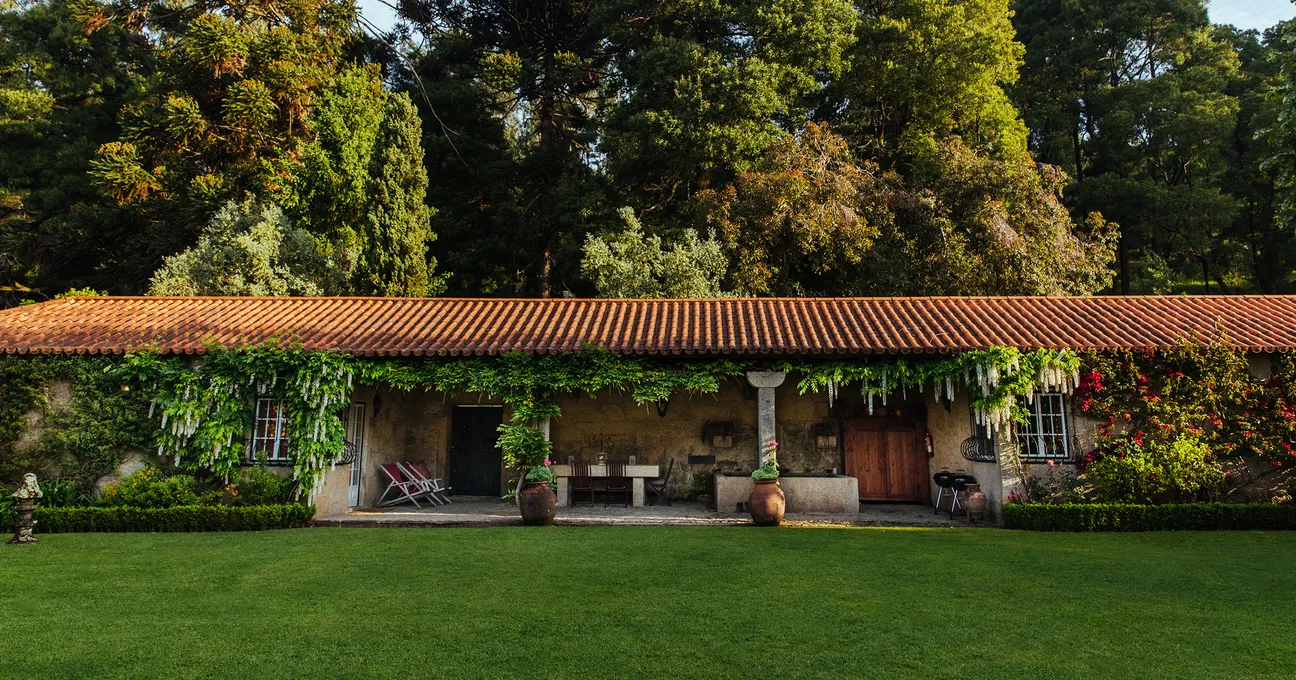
(767, 503)
(538, 504)
(976, 502)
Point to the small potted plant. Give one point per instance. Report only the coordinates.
(526, 449)
(767, 501)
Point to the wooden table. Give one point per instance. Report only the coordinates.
(636, 473)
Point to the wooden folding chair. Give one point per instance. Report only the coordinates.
(400, 486)
(431, 485)
(658, 486)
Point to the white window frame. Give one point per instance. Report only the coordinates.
(1046, 434)
(277, 448)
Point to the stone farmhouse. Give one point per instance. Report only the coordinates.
(836, 452)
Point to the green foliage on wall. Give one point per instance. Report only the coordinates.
(81, 440)
(996, 378)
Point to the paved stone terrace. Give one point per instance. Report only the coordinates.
(478, 512)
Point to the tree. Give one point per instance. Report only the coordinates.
(703, 88)
(225, 115)
(812, 221)
(1142, 101)
(800, 221)
(925, 70)
(628, 264)
(972, 225)
(394, 259)
(518, 83)
(1279, 135)
(331, 188)
(61, 91)
(247, 249)
(361, 189)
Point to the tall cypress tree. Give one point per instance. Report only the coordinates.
(394, 261)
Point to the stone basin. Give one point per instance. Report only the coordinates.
(806, 492)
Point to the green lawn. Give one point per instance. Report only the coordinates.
(650, 602)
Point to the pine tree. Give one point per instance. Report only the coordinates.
(394, 261)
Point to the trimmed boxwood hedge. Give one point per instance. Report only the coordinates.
(180, 518)
(1125, 517)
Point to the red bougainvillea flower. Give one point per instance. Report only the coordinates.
(1277, 463)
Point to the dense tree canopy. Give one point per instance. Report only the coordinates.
(586, 147)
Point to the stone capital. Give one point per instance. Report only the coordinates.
(765, 378)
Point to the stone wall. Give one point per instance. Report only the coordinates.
(407, 426)
(722, 425)
(949, 428)
(331, 498)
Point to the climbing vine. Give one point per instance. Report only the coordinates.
(996, 378)
(204, 406)
(82, 439)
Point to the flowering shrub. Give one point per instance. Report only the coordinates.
(257, 486)
(148, 488)
(1172, 417)
(1165, 468)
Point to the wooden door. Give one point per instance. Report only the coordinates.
(475, 462)
(887, 458)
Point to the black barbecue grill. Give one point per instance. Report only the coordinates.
(955, 485)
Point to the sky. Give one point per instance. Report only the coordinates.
(1257, 14)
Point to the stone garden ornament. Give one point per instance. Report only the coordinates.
(26, 496)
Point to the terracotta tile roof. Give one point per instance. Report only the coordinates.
(443, 326)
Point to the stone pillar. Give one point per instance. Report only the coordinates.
(765, 382)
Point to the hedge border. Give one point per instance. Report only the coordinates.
(179, 518)
(1129, 517)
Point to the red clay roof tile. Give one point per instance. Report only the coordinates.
(809, 326)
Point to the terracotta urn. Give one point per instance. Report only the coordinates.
(976, 502)
(767, 503)
(538, 504)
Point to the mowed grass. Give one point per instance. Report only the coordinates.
(648, 602)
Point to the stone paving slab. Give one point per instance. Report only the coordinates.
(477, 513)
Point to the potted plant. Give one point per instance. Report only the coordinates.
(526, 449)
(767, 501)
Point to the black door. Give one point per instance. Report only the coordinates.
(474, 459)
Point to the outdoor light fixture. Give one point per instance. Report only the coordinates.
(662, 405)
(377, 404)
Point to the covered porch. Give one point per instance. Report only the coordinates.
(838, 458)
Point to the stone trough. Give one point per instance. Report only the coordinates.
(806, 493)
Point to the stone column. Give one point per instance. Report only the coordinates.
(765, 382)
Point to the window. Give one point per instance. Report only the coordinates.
(1044, 435)
(269, 434)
